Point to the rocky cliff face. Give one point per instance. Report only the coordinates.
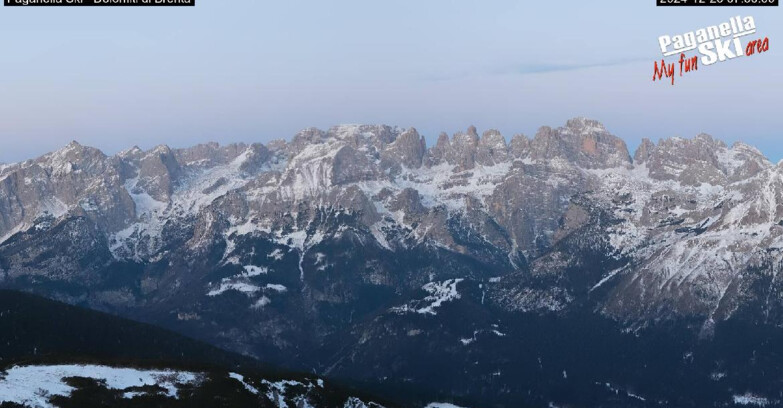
(288, 246)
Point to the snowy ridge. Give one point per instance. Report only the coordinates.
(290, 394)
(196, 189)
(35, 385)
(685, 235)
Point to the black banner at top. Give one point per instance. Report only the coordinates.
(105, 3)
(717, 3)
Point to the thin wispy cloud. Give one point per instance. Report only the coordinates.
(544, 68)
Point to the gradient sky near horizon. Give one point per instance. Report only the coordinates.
(249, 70)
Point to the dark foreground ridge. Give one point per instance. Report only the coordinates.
(36, 332)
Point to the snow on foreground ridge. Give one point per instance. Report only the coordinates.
(750, 399)
(35, 385)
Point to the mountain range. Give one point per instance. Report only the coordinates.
(556, 270)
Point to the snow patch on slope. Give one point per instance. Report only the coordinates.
(242, 287)
(440, 293)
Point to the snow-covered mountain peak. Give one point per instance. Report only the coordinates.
(585, 125)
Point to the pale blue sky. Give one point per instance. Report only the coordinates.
(250, 70)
